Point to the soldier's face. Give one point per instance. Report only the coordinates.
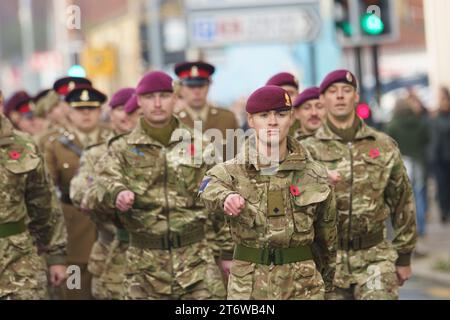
(340, 100)
(85, 119)
(311, 115)
(271, 125)
(58, 113)
(195, 97)
(120, 120)
(157, 107)
(292, 91)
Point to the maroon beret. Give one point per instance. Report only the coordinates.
(155, 81)
(268, 98)
(312, 93)
(121, 97)
(132, 105)
(19, 101)
(338, 76)
(283, 79)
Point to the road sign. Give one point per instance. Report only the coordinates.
(221, 27)
(233, 4)
(100, 61)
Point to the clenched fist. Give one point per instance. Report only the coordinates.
(334, 177)
(234, 204)
(124, 201)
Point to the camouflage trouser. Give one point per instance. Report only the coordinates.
(22, 271)
(183, 274)
(96, 266)
(109, 285)
(296, 281)
(366, 274)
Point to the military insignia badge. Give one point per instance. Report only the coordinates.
(85, 96)
(194, 72)
(349, 77)
(137, 152)
(288, 100)
(204, 184)
(71, 85)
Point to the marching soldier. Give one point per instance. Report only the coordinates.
(152, 179)
(278, 210)
(107, 259)
(54, 107)
(31, 221)
(19, 110)
(290, 83)
(195, 80)
(373, 187)
(62, 154)
(309, 112)
(287, 81)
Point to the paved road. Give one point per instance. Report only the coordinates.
(418, 289)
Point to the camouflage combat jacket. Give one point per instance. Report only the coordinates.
(27, 193)
(307, 216)
(374, 186)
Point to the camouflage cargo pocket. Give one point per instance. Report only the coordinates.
(97, 259)
(305, 206)
(241, 281)
(376, 170)
(308, 282)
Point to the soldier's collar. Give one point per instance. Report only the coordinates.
(296, 157)
(294, 160)
(364, 132)
(139, 136)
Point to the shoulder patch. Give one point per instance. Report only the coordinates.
(204, 184)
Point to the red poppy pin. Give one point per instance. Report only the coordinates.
(295, 191)
(14, 155)
(374, 153)
(191, 149)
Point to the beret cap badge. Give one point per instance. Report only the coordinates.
(194, 71)
(349, 77)
(288, 100)
(85, 96)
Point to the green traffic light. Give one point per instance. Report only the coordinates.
(372, 24)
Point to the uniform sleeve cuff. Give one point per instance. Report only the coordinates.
(115, 193)
(404, 260)
(56, 260)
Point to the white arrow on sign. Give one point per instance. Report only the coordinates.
(251, 25)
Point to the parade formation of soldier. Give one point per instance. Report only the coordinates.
(148, 207)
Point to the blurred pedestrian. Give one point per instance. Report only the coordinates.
(410, 129)
(440, 152)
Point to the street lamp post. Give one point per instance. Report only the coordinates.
(154, 26)
(26, 28)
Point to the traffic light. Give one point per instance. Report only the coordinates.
(369, 22)
(342, 17)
